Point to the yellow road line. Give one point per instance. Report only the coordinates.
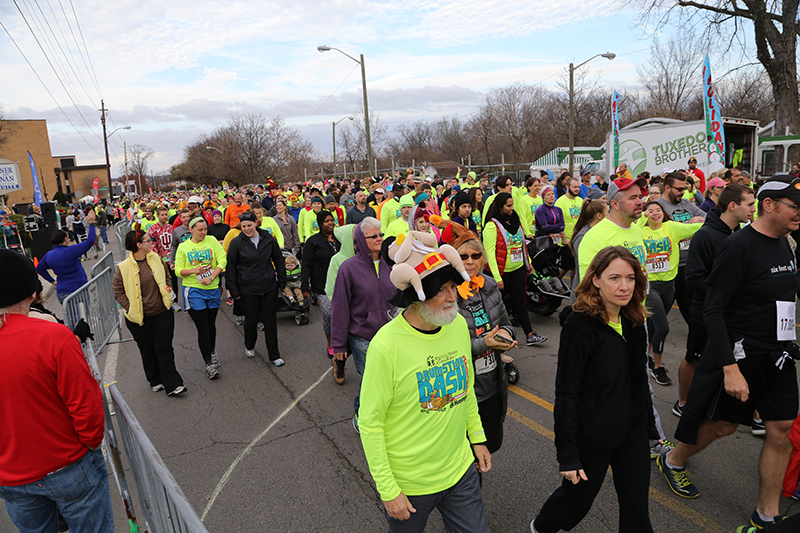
(664, 499)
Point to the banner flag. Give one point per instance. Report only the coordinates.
(715, 133)
(37, 192)
(615, 126)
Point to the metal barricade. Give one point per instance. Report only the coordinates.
(95, 303)
(164, 505)
(107, 261)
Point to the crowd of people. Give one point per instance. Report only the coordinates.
(423, 282)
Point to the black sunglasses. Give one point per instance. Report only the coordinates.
(376, 236)
(474, 256)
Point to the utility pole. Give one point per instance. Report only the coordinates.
(105, 144)
(127, 181)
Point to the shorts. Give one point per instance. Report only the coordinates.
(325, 306)
(773, 390)
(199, 299)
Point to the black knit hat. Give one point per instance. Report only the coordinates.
(19, 278)
(322, 215)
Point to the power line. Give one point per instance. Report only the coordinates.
(48, 90)
(80, 31)
(89, 68)
(328, 98)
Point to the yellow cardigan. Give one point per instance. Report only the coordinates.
(133, 289)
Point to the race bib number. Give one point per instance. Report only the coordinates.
(657, 263)
(486, 363)
(684, 244)
(516, 253)
(786, 321)
(206, 272)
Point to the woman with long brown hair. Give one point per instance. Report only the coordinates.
(603, 412)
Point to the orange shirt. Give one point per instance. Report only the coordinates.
(232, 213)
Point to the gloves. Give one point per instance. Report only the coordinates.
(82, 331)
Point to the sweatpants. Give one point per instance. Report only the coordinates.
(154, 339)
(261, 308)
(630, 464)
(205, 322)
(514, 283)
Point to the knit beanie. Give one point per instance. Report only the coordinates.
(322, 215)
(330, 198)
(460, 199)
(19, 278)
(317, 199)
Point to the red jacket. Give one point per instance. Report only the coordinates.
(51, 408)
(792, 476)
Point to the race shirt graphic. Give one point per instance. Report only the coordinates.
(574, 212)
(204, 259)
(682, 216)
(515, 247)
(444, 383)
(658, 251)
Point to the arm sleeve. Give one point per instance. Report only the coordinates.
(490, 243)
(698, 265)
(80, 393)
(42, 269)
(280, 267)
(588, 249)
(349, 218)
(714, 317)
(78, 250)
(696, 211)
(173, 248)
(119, 290)
(180, 261)
(683, 231)
(305, 270)
(219, 252)
(377, 391)
(155, 241)
(232, 270)
(340, 305)
(573, 351)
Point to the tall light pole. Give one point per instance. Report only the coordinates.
(370, 162)
(572, 69)
(335, 165)
(105, 144)
(215, 148)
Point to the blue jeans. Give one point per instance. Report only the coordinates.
(358, 347)
(80, 492)
(461, 507)
(62, 296)
(103, 234)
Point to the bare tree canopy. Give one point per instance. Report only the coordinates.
(671, 78)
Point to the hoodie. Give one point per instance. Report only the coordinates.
(360, 303)
(705, 244)
(343, 234)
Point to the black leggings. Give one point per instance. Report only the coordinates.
(514, 284)
(491, 413)
(205, 322)
(261, 308)
(659, 302)
(630, 464)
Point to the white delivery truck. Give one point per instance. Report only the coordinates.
(657, 144)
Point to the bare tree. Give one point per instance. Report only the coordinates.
(670, 77)
(138, 159)
(775, 30)
(745, 95)
(351, 140)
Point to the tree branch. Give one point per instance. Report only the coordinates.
(722, 11)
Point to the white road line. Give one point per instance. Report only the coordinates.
(224, 480)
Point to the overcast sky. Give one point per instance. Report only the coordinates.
(176, 70)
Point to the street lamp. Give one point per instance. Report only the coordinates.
(370, 162)
(336, 166)
(108, 163)
(215, 148)
(572, 69)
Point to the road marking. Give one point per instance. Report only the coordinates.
(224, 480)
(656, 495)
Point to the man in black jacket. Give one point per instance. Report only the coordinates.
(736, 205)
(255, 274)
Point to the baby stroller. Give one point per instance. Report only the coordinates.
(292, 304)
(546, 290)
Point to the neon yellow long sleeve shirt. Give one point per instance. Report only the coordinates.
(418, 408)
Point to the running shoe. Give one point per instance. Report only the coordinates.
(355, 423)
(158, 388)
(260, 326)
(338, 371)
(278, 362)
(533, 525)
(211, 371)
(534, 338)
(330, 353)
(657, 448)
(239, 320)
(214, 360)
(660, 374)
(180, 389)
(677, 409)
(796, 495)
(678, 480)
(249, 353)
(229, 301)
(757, 523)
(758, 428)
(651, 363)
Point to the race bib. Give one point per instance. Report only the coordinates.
(486, 363)
(556, 238)
(657, 263)
(786, 321)
(684, 244)
(206, 272)
(516, 253)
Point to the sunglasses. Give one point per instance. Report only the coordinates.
(474, 256)
(376, 236)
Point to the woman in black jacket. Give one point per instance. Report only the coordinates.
(317, 253)
(255, 274)
(603, 412)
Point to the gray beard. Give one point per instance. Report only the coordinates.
(437, 317)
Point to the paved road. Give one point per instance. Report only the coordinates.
(301, 467)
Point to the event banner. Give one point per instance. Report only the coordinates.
(715, 133)
(37, 192)
(615, 126)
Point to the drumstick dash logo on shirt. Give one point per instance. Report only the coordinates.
(443, 383)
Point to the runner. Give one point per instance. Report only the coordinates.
(256, 272)
(660, 235)
(748, 362)
(603, 413)
(199, 261)
(317, 254)
(529, 202)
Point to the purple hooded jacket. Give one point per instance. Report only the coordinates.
(360, 303)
